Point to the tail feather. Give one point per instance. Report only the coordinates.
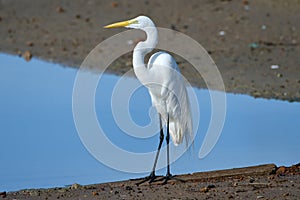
(175, 133)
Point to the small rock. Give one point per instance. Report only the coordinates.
(246, 7)
(3, 194)
(34, 193)
(62, 190)
(263, 27)
(286, 194)
(274, 67)
(260, 197)
(279, 75)
(27, 55)
(19, 53)
(77, 16)
(253, 45)
(173, 27)
(29, 43)
(60, 9)
(0, 18)
(75, 186)
(245, 2)
(211, 186)
(128, 187)
(281, 170)
(95, 194)
(222, 33)
(251, 180)
(204, 189)
(89, 187)
(114, 4)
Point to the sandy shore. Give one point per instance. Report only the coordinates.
(257, 182)
(245, 38)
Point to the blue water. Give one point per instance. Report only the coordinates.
(40, 147)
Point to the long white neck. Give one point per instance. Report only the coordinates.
(139, 52)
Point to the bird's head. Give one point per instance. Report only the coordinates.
(139, 22)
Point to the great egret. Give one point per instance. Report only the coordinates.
(166, 87)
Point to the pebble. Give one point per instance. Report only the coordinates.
(222, 33)
(246, 7)
(281, 170)
(128, 187)
(114, 4)
(27, 55)
(254, 45)
(60, 9)
(204, 189)
(251, 180)
(260, 197)
(263, 27)
(63, 190)
(274, 67)
(279, 75)
(29, 43)
(95, 194)
(3, 194)
(34, 193)
(75, 186)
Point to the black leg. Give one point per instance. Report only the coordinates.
(168, 148)
(161, 139)
(152, 175)
(168, 175)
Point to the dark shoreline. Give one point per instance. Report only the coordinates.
(262, 181)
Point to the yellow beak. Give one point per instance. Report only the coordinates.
(121, 24)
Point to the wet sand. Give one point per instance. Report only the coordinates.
(245, 38)
(257, 182)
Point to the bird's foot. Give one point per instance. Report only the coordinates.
(151, 178)
(168, 177)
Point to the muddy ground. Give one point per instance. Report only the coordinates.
(245, 38)
(258, 182)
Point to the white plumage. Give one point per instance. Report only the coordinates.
(166, 86)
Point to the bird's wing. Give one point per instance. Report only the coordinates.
(170, 96)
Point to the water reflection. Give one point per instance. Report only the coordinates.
(40, 146)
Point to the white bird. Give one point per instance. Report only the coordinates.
(166, 87)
